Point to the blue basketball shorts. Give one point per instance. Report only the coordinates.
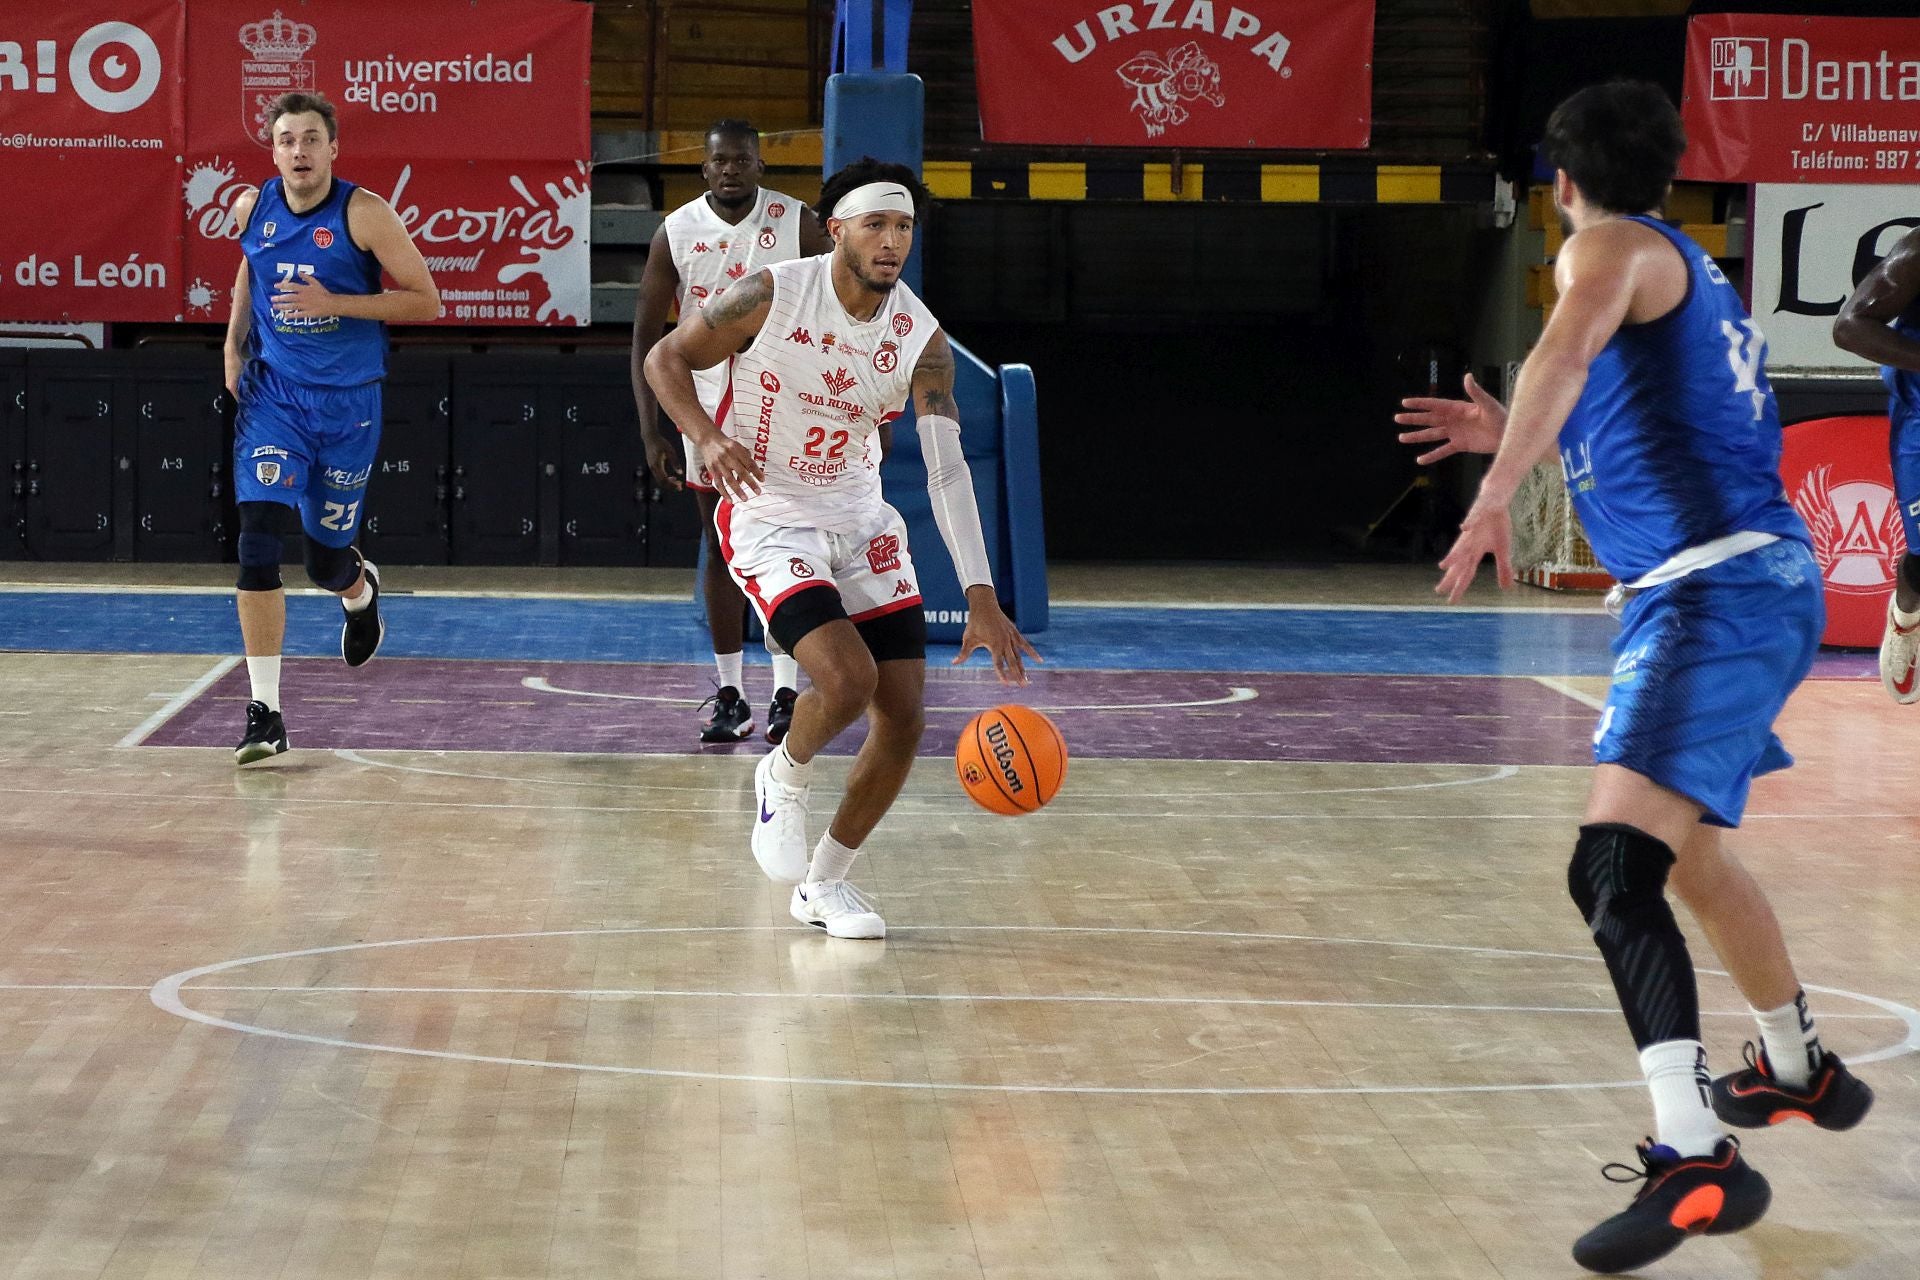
(1702, 667)
(311, 448)
(1905, 447)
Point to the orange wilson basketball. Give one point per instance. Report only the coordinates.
(1011, 759)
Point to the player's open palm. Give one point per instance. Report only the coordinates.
(991, 629)
(1473, 425)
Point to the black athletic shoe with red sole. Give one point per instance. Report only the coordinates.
(1682, 1196)
(1834, 1098)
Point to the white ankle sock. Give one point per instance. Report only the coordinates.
(831, 860)
(786, 672)
(729, 665)
(1793, 1046)
(1904, 620)
(263, 674)
(1683, 1119)
(786, 771)
(355, 603)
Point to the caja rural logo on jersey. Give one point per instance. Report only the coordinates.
(1858, 539)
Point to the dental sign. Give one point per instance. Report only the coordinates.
(1794, 98)
(129, 129)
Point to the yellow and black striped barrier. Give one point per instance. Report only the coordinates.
(1330, 183)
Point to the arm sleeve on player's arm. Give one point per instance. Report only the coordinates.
(950, 489)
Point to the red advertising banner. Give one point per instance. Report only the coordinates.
(1277, 74)
(1793, 98)
(91, 131)
(470, 117)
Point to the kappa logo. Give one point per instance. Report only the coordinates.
(801, 336)
(322, 238)
(902, 588)
(768, 238)
(1739, 69)
(776, 210)
(737, 270)
(883, 555)
(887, 358)
(1161, 85)
(700, 246)
(1858, 539)
(770, 381)
(279, 64)
(902, 325)
(838, 381)
(799, 568)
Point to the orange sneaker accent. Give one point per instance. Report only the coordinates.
(1698, 1208)
(1781, 1116)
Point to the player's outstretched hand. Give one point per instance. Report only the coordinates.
(733, 469)
(666, 461)
(1487, 530)
(1474, 425)
(990, 629)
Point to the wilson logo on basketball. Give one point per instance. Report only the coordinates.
(902, 325)
(769, 381)
(799, 568)
(1003, 757)
(322, 238)
(1858, 539)
(838, 381)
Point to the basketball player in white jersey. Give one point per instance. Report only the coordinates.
(822, 351)
(703, 247)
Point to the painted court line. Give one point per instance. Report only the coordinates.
(1578, 695)
(1235, 693)
(177, 703)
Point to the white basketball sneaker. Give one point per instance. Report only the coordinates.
(1899, 651)
(839, 908)
(779, 826)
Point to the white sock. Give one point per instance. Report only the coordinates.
(786, 671)
(729, 664)
(1683, 1119)
(831, 860)
(356, 603)
(1904, 620)
(786, 771)
(1793, 1046)
(264, 675)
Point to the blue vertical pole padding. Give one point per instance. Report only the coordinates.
(1026, 557)
(875, 114)
(857, 19)
(897, 21)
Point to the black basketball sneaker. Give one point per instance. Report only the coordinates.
(266, 735)
(732, 718)
(361, 634)
(780, 715)
(1834, 1098)
(1681, 1196)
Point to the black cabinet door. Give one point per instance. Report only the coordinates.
(495, 479)
(602, 468)
(77, 479)
(13, 453)
(179, 460)
(409, 492)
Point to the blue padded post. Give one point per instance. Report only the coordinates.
(1026, 558)
(876, 114)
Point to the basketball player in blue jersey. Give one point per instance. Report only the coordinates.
(306, 349)
(1651, 376)
(1881, 321)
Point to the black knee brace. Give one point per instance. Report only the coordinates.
(1910, 570)
(1618, 879)
(259, 547)
(332, 568)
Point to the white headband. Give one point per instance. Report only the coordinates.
(874, 197)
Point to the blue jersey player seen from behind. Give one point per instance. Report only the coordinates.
(306, 349)
(1881, 321)
(1650, 378)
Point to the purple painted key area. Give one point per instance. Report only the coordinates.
(590, 707)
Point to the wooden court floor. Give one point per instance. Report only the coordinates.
(397, 1013)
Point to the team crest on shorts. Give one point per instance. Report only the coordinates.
(267, 472)
(799, 568)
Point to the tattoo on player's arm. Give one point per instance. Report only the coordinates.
(739, 302)
(933, 381)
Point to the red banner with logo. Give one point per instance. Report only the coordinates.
(1793, 98)
(91, 130)
(1275, 74)
(470, 117)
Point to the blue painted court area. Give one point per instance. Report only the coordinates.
(1081, 637)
